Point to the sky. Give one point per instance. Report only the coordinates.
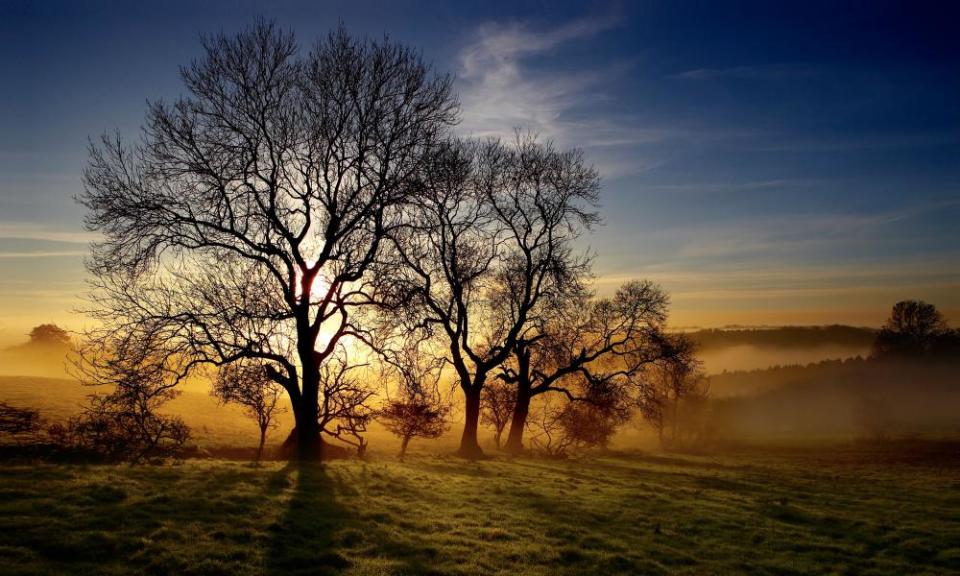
(768, 163)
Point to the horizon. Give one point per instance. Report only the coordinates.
(784, 165)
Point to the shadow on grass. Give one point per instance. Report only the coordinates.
(303, 539)
(317, 535)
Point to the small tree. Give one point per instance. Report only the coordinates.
(671, 384)
(545, 426)
(346, 401)
(418, 410)
(140, 377)
(589, 421)
(249, 386)
(497, 403)
(414, 418)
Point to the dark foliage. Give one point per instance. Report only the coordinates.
(18, 424)
(783, 337)
(118, 427)
(49, 335)
(409, 419)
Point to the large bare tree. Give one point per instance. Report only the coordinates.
(244, 222)
(492, 233)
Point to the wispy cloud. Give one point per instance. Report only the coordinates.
(34, 231)
(42, 254)
(771, 71)
(502, 90)
(800, 262)
(756, 239)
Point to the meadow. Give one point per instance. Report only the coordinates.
(839, 509)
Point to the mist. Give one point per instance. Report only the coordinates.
(753, 357)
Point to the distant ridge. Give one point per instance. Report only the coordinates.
(783, 336)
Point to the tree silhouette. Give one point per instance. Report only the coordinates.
(497, 404)
(491, 236)
(914, 328)
(417, 408)
(670, 383)
(414, 418)
(249, 386)
(245, 222)
(580, 346)
(124, 422)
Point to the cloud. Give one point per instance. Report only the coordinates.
(40, 232)
(772, 71)
(801, 263)
(501, 90)
(42, 254)
(758, 239)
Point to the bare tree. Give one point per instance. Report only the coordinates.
(414, 418)
(245, 222)
(492, 234)
(249, 386)
(581, 345)
(346, 400)
(547, 433)
(497, 403)
(125, 421)
(417, 408)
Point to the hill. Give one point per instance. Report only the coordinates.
(853, 397)
(757, 348)
(785, 337)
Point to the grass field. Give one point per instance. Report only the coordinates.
(849, 510)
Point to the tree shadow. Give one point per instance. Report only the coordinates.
(317, 535)
(303, 540)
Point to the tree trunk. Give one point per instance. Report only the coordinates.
(305, 438)
(496, 437)
(309, 446)
(469, 446)
(263, 440)
(673, 421)
(520, 412)
(403, 447)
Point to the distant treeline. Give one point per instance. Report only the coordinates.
(785, 337)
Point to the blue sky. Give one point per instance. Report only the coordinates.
(767, 162)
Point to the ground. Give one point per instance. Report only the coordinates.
(846, 510)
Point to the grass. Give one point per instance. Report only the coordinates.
(796, 512)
